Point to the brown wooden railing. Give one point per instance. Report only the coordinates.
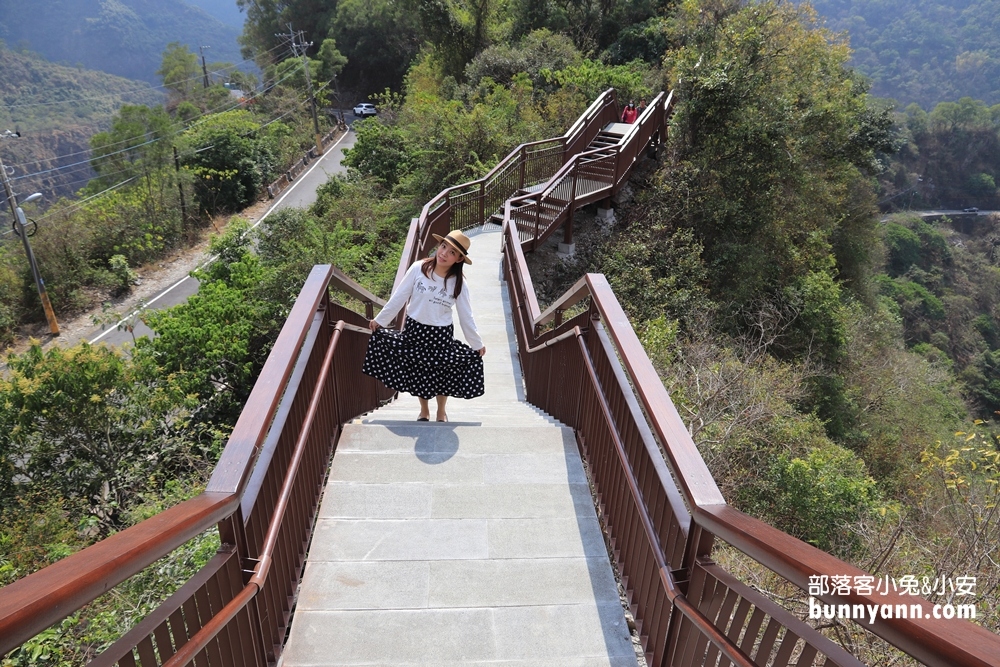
(262, 496)
(663, 511)
(588, 176)
(659, 505)
(473, 203)
(263, 492)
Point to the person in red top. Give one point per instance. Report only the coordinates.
(630, 113)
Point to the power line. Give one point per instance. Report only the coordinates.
(80, 204)
(91, 161)
(77, 205)
(147, 88)
(87, 162)
(224, 107)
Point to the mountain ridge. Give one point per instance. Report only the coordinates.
(121, 37)
(57, 109)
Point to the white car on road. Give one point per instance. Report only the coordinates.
(364, 110)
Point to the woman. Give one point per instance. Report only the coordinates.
(424, 359)
(630, 113)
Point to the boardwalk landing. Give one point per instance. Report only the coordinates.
(470, 543)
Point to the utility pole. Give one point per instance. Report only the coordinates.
(180, 188)
(305, 64)
(204, 68)
(19, 224)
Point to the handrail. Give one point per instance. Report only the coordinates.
(33, 603)
(603, 101)
(592, 373)
(728, 648)
(342, 282)
(420, 231)
(43, 598)
(261, 570)
(232, 472)
(654, 115)
(937, 642)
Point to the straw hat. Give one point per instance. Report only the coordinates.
(459, 242)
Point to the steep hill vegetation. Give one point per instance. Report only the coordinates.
(824, 360)
(57, 109)
(226, 11)
(121, 37)
(923, 51)
(948, 158)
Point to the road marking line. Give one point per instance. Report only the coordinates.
(215, 257)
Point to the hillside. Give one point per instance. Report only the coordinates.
(122, 37)
(224, 10)
(57, 109)
(923, 51)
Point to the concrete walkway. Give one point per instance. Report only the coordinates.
(468, 543)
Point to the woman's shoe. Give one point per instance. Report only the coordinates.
(422, 419)
(443, 420)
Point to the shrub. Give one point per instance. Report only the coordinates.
(125, 277)
(903, 246)
(229, 159)
(816, 497)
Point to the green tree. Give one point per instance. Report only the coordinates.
(214, 345)
(774, 138)
(229, 158)
(179, 70)
(592, 78)
(819, 497)
(267, 21)
(379, 151)
(380, 38)
(84, 423)
(138, 144)
(537, 52)
(331, 61)
(458, 29)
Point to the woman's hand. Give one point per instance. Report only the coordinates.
(373, 325)
(482, 351)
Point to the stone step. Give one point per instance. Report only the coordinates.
(469, 543)
(456, 545)
(476, 440)
(510, 412)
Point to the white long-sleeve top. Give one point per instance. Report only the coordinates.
(430, 302)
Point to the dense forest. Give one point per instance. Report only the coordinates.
(922, 51)
(839, 368)
(948, 158)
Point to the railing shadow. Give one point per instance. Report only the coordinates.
(614, 627)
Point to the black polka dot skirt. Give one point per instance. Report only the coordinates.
(425, 361)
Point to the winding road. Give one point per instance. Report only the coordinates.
(300, 194)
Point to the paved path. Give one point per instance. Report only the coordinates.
(468, 543)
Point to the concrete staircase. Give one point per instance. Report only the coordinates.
(473, 542)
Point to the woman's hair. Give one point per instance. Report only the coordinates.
(455, 272)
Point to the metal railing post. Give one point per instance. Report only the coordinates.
(538, 219)
(482, 202)
(524, 162)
